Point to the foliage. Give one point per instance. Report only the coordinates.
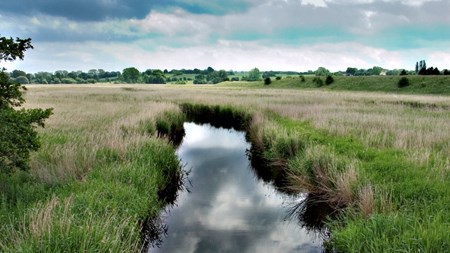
(22, 80)
(254, 75)
(215, 77)
(321, 71)
(318, 81)
(18, 136)
(131, 75)
(329, 80)
(403, 82)
(267, 81)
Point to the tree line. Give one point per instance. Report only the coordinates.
(197, 76)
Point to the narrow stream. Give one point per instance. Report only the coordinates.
(226, 208)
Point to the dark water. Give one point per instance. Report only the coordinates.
(227, 209)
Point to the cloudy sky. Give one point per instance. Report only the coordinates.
(294, 35)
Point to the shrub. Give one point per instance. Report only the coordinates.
(302, 78)
(267, 81)
(403, 82)
(278, 78)
(329, 80)
(318, 81)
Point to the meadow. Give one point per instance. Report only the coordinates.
(381, 158)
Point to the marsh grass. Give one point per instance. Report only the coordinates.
(99, 140)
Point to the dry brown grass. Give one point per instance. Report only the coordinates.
(378, 120)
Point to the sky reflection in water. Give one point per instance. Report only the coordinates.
(228, 209)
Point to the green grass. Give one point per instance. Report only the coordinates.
(103, 212)
(419, 84)
(110, 188)
(413, 218)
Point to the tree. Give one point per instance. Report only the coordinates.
(417, 67)
(16, 73)
(17, 126)
(22, 80)
(403, 73)
(351, 71)
(254, 75)
(377, 70)
(267, 81)
(217, 77)
(321, 71)
(131, 75)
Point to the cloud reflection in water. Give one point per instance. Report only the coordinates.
(228, 209)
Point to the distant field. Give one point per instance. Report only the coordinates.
(439, 85)
(100, 151)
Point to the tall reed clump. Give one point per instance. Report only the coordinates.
(219, 116)
(301, 160)
(170, 124)
(322, 173)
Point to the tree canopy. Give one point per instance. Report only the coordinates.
(17, 126)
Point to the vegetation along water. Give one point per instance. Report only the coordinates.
(380, 159)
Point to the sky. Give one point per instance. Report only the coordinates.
(295, 35)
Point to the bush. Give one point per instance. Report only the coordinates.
(329, 80)
(318, 81)
(403, 82)
(302, 78)
(278, 78)
(267, 81)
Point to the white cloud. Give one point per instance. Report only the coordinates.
(316, 3)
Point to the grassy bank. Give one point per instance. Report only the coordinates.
(382, 201)
(439, 85)
(100, 174)
(387, 203)
(389, 153)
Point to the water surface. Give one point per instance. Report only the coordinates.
(227, 209)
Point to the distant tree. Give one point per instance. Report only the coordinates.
(217, 77)
(131, 75)
(93, 73)
(376, 70)
(254, 75)
(446, 72)
(61, 73)
(423, 71)
(267, 81)
(209, 70)
(403, 73)
(417, 67)
(17, 126)
(435, 71)
(351, 71)
(16, 73)
(22, 80)
(321, 71)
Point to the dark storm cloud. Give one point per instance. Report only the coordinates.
(80, 10)
(96, 10)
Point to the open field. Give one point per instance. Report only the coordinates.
(439, 85)
(101, 165)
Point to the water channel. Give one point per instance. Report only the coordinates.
(226, 208)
